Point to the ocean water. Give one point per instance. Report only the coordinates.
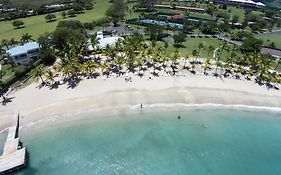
(147, 142)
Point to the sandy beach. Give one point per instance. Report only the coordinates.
(97, 94)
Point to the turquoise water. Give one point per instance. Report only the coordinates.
(157, 143)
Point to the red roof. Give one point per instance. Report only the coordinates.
(179, 16)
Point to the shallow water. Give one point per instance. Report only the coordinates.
(157, 143)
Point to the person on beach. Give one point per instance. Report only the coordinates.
(141, 105)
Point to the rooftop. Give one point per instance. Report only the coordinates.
(249, 2)
(23, 48)
(103, 42)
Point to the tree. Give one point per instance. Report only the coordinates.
(13, 42)
(5, 42)
(26, 38)
(117, 11)
(17, 24)
(90, 67)
(272, 45)
(154, 32)
(78, 8)
(209, 28)
(63, 14)
(47, 56)
(71, 13)
(201, 45)
(2, 56)
(211, 49)
(64, 37)
(95, 41)
(278, 63)
(2, 85)
(194, 53)
(73, 24)
(235, 19)
(251, 45)
(179, 39)
(50, 77)
(44, 41)
(50, 17)
(38, 72)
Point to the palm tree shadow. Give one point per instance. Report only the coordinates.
(6, 100)
(73, 82)
(55, 85)
(41, 85)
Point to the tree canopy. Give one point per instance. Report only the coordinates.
(17, 24)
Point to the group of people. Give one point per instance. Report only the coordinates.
(128, 79)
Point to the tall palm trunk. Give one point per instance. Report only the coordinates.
(41, 78)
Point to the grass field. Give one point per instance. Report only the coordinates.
(192, 43)
(274, 37)
(37, 25)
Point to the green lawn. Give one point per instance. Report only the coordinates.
(241, 13)
(268, 38)
(237, 11)
(37, 25)
(192, 43)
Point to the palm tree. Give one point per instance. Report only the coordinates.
(166, 45)
(119, 61)
(210, 50)
(104, 67)
(95, 39)
(38, 72)
(201, 45)
(13, 42)
(5, 43)
(278, 63)
(1, 88)
(2, 53)
(207, 64)
(50, 76)
(139, 63)
(185, 60)
(223, 47)
(195, 55)
(90, 67)
(26, 38)
(175, 58)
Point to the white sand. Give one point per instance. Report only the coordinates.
(36, 104)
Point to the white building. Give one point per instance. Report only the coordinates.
(104, 41)
(25, 53)
(242, 3)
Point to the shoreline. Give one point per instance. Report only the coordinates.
(79, 116)
(191, 91)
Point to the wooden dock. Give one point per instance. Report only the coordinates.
(14, 155)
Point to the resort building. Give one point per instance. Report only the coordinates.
(23, 54)
(103, 42)
(241, 3)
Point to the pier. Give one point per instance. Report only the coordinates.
(14, 155)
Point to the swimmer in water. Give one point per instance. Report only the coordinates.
(204, 125)
(179, 116)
